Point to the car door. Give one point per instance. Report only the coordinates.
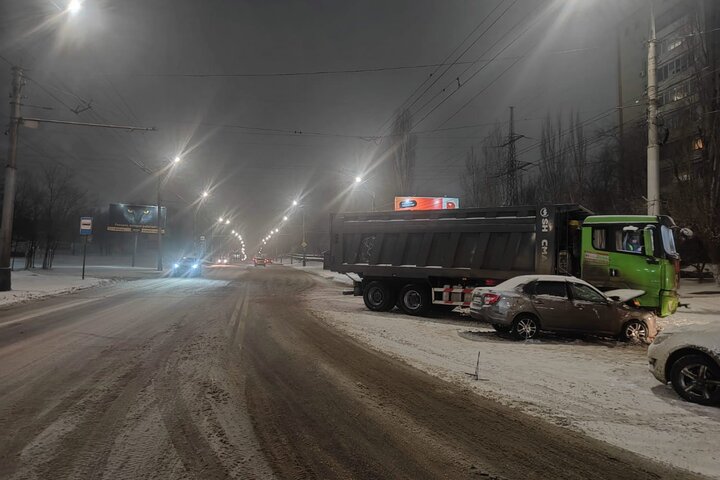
(551, 302)
(592, 312)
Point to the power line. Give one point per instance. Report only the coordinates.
(283, 74)
(412, 94)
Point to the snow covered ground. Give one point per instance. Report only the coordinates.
(31, 285)
(596, 386)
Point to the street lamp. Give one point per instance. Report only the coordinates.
(285, 218)
(227, 222)
(359, 181)
(162, 180)
(74, 6)
(220, 219)
(304, 243)
(204, 196)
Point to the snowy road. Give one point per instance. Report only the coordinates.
(239, 375)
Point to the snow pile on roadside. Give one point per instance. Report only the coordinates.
(28, 285)
(316, 268)
(598, 387)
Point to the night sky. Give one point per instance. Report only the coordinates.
(196, 71)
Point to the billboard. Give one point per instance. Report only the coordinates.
(124, 217)
(426, 203)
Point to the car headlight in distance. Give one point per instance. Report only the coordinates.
(176, 265)
(195, 265)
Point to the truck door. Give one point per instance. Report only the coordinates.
(630, 264)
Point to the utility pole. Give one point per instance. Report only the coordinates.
(511, 187)
(159, 226)
(653, 149)
(8, 205)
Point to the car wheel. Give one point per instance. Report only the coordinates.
(635, 331)
(501, 328)
(378, 296)
(414, 299)
(696, 378)
(525, 327)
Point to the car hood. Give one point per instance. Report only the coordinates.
(625, 294)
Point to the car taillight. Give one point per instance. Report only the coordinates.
(490, 299)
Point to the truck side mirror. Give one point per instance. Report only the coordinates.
(649, 241)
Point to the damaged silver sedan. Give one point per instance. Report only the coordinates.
(525, 305)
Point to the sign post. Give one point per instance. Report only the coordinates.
(85, 231)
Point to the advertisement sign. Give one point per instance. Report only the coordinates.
(124, 217)
(426, 203)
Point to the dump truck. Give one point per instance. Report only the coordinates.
(421, 259)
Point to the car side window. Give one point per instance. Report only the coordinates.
(585, 293)
(529, 288)
(553, 289)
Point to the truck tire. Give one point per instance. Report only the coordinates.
(378, 296)
(414, 299)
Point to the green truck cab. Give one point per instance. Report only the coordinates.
(633, 252)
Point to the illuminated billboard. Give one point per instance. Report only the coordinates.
(124, 217)
(426, 203)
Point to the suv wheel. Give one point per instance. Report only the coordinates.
(696, 378)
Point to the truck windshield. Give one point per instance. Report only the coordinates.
(668, 240)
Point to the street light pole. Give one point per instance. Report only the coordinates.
(10, 184)
(159, 226)
(304, 243)
(653, 149)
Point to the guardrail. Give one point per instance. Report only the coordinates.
(298, 257)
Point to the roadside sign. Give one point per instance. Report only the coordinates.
(303, 244)
(85, 225)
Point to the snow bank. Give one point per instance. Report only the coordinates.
(316, 268)
(29, 285)
(599, 387)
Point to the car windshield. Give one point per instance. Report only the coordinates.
(188, 260)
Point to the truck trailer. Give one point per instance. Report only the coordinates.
(420, 259)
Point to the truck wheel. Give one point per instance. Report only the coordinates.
(378, 296)
(414, 299)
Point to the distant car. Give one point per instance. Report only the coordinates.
(525, 305)
(259, 261)
(187, 267)
(690, 360)
(222, 261)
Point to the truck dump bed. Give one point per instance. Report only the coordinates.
(497, 243)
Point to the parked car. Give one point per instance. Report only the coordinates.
(526, 305)
(187, 267)
(690, 360)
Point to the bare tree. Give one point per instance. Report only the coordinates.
(552, 177)
(61, 205)
(403, 152)
(576, 147)
(481, 179)
(694, 197)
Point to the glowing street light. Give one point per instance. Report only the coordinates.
(233, 232)
(220, 219)
(295, 202)
(176, 160)
(74, 6)
(205, 194)
(285, 218)
(358, 179)
(227, 222)
(276, 230)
